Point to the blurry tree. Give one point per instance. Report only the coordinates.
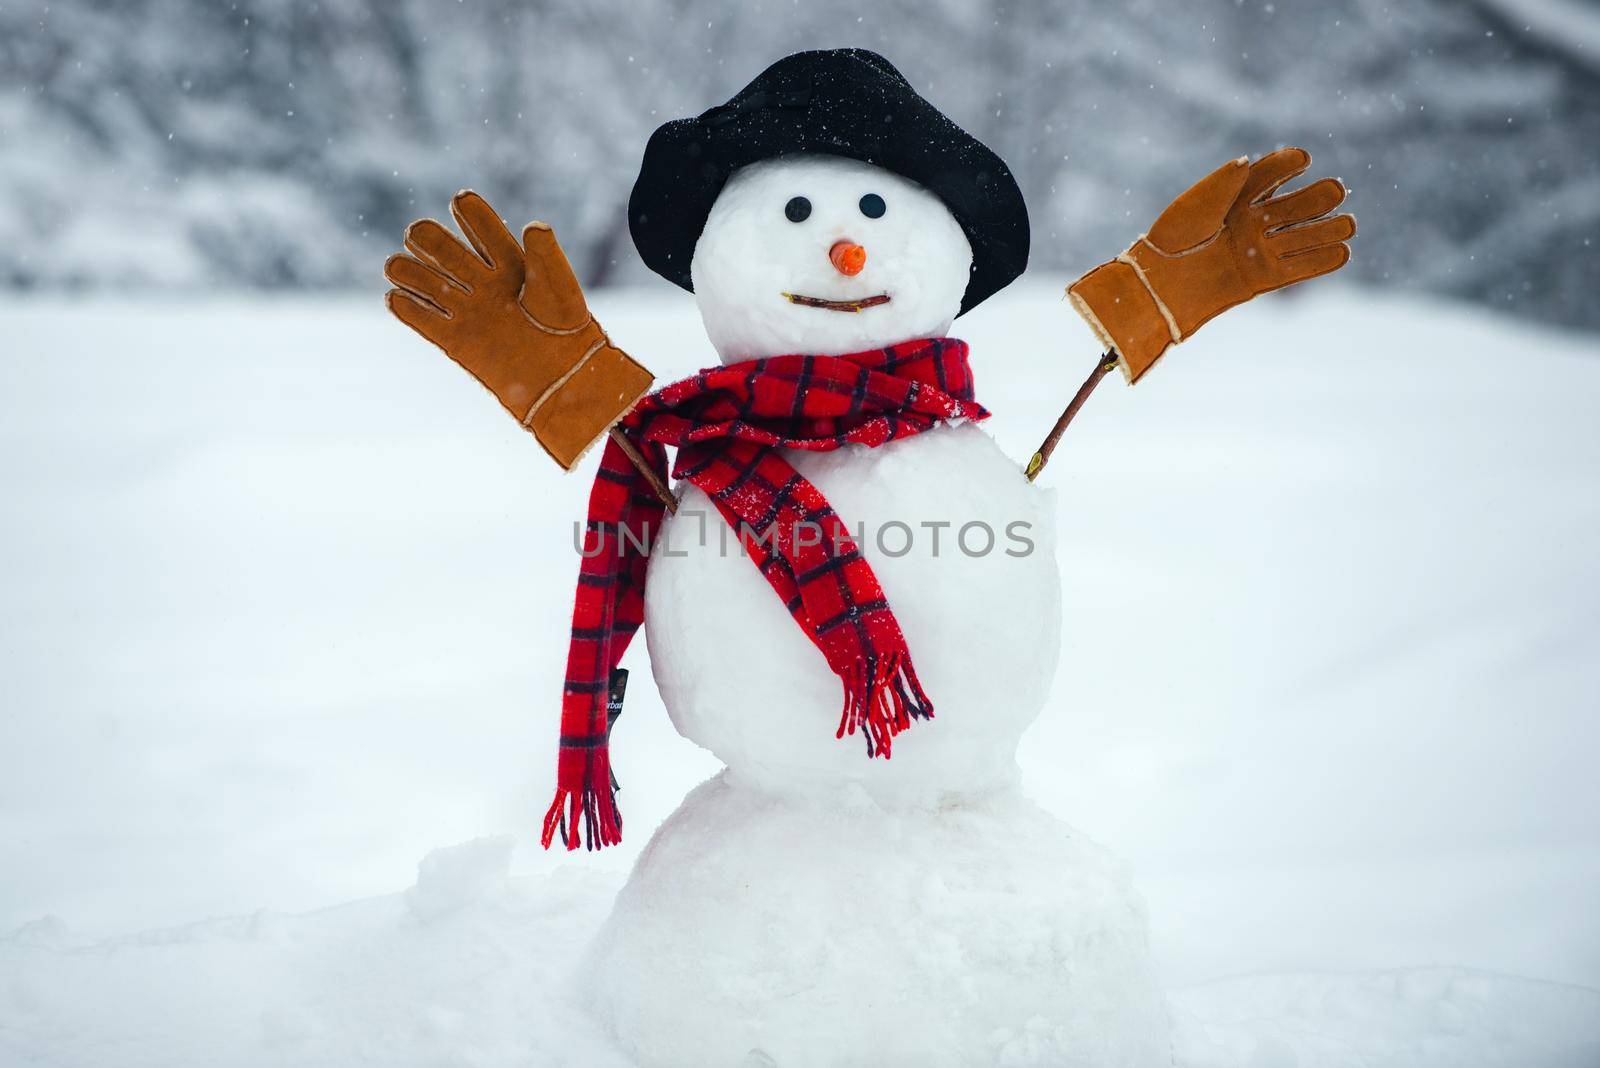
(276, 143)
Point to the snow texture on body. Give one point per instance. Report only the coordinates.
(832, 931)
(983, 624)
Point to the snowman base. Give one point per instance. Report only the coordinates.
(766, 929)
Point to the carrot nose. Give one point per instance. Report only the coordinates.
(848, 257)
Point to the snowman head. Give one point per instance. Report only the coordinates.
(826, 255)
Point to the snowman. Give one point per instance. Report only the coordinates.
(851, 597)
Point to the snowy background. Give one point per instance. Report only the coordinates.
(286, 596)
(283, 143)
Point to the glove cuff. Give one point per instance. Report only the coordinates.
(582, 405)
(1120, 307)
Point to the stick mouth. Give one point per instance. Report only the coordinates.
(837, 305)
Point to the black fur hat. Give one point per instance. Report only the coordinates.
(842, 102)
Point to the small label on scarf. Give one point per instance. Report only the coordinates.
(616, 690)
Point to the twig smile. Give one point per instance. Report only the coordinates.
(837, 305)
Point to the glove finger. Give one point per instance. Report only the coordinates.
(1199, 211)
(418, 314)
(551, 293)
(1310, 235)
(1316, 199)
(486, 231)
(1324, 259)
(1272, 170)
(431, 243)
(423, 281)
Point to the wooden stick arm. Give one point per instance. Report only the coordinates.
(1108, 361)
(643, 467)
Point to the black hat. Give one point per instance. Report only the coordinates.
(843, 102)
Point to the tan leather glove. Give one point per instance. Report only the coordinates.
(514, 317)
(1225, 240)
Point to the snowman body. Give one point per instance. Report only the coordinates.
(964, 547)
(811, 906)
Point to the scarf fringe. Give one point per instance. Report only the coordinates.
(585, 794)
(881, 698)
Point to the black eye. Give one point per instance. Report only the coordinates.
(798, 209)
(872, 206)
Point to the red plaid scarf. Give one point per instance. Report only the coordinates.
(728, 424)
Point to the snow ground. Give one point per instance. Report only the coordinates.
(286, 599)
